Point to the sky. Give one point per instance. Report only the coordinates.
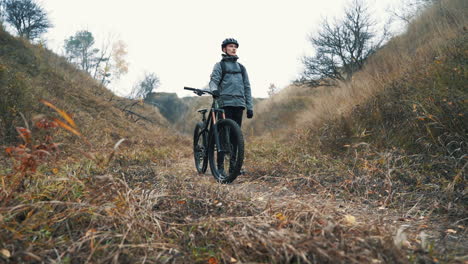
(180, 40)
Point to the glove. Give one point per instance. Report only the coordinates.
(249, 113)
(199, 93)
(215, 93)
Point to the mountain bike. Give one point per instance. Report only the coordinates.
(218, 141)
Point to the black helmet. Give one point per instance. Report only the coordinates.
(229, 41)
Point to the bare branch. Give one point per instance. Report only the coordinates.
(342, 47)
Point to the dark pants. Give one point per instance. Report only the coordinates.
(235, 113)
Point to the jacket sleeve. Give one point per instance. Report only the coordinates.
(215, 77)
(247, 90)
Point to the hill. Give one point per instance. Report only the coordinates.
(31, 72)
(56, 165)
(186, 122)
(169, 104)
(410, 98)
(372, 171)
(181, 112)
(395, 136)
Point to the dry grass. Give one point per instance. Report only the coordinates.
(151, 211)
(426, 39)
(408, 104)
(329, 192)
(396, 135)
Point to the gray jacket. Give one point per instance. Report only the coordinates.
(235, 87)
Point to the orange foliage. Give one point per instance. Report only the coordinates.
(33, 152)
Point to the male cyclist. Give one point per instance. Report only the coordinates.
(230, 84)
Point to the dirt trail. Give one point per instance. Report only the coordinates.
(416, 226)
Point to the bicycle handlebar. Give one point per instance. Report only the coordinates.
(197, 91)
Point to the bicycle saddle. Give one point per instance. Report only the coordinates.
(202, 111)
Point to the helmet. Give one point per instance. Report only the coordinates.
(229, 41)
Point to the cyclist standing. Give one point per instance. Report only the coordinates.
(230, 83)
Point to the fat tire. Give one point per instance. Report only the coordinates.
(200, 165)
(237, 133)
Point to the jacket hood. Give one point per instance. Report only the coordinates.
(227, 57)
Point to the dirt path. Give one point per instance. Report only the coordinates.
(416, 230)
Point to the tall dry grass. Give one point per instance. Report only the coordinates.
(396, 133)
(426, 38)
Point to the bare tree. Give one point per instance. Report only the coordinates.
(342, 46)
(102, 61)
(105, 64)
(111, 63)
(407, 10)
(272, 90)
(27, 17)
(144, 87)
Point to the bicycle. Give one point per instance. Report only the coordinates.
(218, 140)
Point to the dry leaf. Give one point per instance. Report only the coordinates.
(90, 232)
(5, 253)
(61, 113)
(67, 127)
(233, 260)
(280, 216)
(9, 150)
(349, 220)
(212, 260)
(55, 170)
(451, 231)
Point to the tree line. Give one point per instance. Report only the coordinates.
(341, 46)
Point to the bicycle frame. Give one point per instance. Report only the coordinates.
(210, 125)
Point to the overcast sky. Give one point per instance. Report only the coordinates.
(180, 40)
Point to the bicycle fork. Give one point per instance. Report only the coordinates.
(215, 129)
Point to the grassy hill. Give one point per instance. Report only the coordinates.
(57, 185)
(372, 171)
(405, 113)
(396, 135)
(186, 122)
(30, 72)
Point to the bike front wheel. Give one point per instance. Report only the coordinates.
(227, 158)
(200, 142)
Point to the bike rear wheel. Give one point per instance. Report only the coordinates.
(200, 142)
(226, 165)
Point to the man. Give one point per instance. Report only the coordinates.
(232, 84)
